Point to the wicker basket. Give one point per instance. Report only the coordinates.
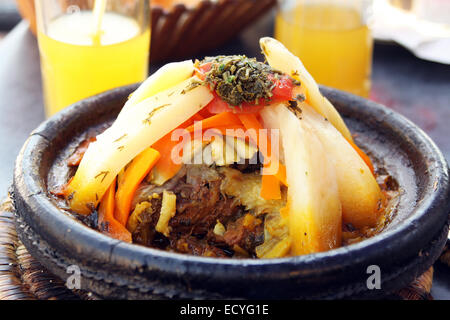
(182, 31)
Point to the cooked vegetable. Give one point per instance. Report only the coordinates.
(243, 85)
(106, 221)
(133, 175)
(222, 154)
(363, 156)
(238, 79)
(281, 59)
(226, 144)
(313, 207)
(192, 151)
(168, 210)
(165, 78)
(222, 119)
(186, 154)
(237, 131)
(135, 218)
(245, 150)
(166, 167)
(219, 229)
(277, 242)
(359, 192)
(207, 155)
(246, 189)
(217, 105)
(250, 122)
(270, 187)
(129, 135)
(279, 249)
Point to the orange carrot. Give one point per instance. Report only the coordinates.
(237, 131)
(281, 174)
(165, 167)
(270, 187)
(106, 221)
(363, 155)
(221, 119)
(251, 122)
(130, 180)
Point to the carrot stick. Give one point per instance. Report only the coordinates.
(270, 184)
(106, 221)
(363, 155)
(221, 119)
(281, 174)
(130, 180)
(270, 187)
(251, 122)
(237, 131)
(165, 168)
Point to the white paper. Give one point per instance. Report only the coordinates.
(427, 40)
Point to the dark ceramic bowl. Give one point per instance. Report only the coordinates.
(113, 269)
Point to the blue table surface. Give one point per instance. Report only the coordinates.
(418, 89)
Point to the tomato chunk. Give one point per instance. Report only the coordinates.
(217, 105)
(283, 88)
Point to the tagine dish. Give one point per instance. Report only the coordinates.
(229, 157)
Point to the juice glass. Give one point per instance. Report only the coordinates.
(332, 39)
(82, 54)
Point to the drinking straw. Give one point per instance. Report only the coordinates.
(99, 10)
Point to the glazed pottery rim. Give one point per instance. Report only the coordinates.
(351, 253)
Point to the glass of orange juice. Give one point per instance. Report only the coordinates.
(90, 46)
(332, 38)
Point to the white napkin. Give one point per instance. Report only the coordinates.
(427, 40)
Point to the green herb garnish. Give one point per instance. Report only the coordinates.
(148, 120)
(238, 79)
(102, 173)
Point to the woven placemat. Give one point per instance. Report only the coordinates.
(23, 278)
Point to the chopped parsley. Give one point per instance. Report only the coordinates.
(238, 79)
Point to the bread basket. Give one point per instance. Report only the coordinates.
(182, 31)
